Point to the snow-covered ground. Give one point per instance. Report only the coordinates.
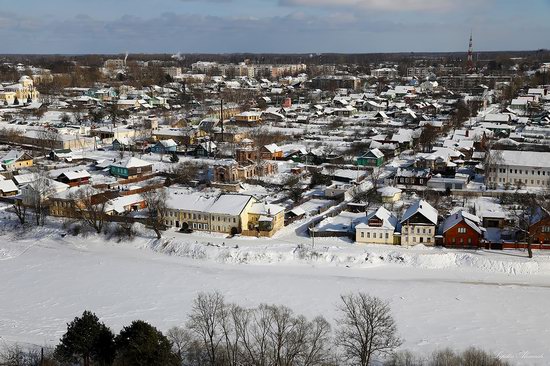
(440, 298)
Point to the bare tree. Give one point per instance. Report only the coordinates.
(20, 211)
(266, 335)
(89, 206)
(293, 185)
(528, 212)
(37, 194)
(47, 139)
(493, 159)
(181, 340)
(155, 200)
(185, 172)
(366, 329)
(204, 322)
(274, 335)
(428, 137)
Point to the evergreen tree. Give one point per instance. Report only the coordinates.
(141, 344)
(87, 342)
(174, 158)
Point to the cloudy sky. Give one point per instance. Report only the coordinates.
(301, 26)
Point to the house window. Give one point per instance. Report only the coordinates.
(362, 234)
(462, 230)
(469, 240)
(368, 235)
(387, 236)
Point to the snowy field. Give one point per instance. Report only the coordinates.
(440, 298)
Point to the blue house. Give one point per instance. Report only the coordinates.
(130, 168)
(164, 147)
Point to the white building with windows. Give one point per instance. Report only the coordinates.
(377, 228)
(418, 224)
(529, 169)
(226, 213)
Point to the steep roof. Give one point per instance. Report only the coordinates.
(462, 216)
(423, 208)
(389, 221)
(14, 155)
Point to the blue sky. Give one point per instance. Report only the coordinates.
(300, 26)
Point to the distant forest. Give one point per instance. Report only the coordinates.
(60, 63)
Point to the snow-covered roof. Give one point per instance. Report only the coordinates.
(78, 174)
(168, 143)
(389, 221)
(7, 186)
(272, 148)
(377, 153)
(460, 216)
(422, 207)
(182, 199)
(25, 178)
(230, 204)
(388, 191)
(266, 209)
(533, 159)
(131, 162)
(118, 204)
(12, 155)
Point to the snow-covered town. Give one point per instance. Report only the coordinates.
(149, 189)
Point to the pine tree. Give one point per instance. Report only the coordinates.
(87, 341)
(141, 344)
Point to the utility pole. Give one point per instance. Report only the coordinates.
(312, 231)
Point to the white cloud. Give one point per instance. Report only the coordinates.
(385, 5)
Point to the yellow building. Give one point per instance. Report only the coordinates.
(248, 118)
(265, 219)
(227, 213)
(19, 93)
(390, 194)
(16, 159)
(377, 228)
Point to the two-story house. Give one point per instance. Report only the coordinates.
(377, 227)
(418, 224)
